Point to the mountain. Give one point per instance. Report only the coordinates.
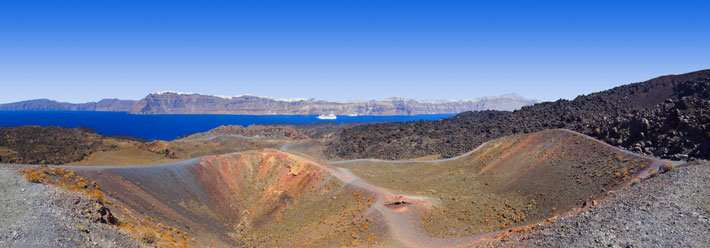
(666, 116)
(190, 103)
(109, 105)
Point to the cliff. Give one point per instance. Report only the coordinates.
(185, 103)
(109, 105)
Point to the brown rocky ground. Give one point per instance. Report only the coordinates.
(161, 152)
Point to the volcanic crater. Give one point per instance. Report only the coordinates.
(275, 198)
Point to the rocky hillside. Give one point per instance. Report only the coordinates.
(669, 210)
(313, 130)
(250, 132)
(182, 103)
(667, 116)
(185, 103)
(51, 145)
(41, 215)
(110, 105)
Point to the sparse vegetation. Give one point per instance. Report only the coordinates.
(64, 178)
(96, 195)
(36, 175)
(156, 234)
(147, 236)
(667, 166)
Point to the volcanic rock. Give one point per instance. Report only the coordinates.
(668, 114)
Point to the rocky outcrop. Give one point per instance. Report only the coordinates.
(250, 132)
(108, 105)
(676, 129)
(160, 147)
(185, 103)
(665, 116)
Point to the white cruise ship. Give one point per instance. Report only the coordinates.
(327, 117)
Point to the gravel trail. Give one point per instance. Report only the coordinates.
(669, 210)
(40, 215)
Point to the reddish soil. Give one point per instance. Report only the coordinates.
(210, 196)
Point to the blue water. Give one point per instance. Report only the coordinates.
(169, 127)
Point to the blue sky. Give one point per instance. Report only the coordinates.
(80, 51)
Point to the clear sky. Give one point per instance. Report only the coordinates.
(80, 51)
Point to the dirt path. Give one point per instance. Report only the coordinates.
(285, 146)
(403, 224)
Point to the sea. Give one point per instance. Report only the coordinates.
(170, 127)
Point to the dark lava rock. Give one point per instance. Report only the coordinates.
(49, 145)
(664, 116)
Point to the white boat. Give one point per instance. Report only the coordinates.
(327, 117)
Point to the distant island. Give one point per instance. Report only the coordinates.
(108, 105)
(168, 102)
